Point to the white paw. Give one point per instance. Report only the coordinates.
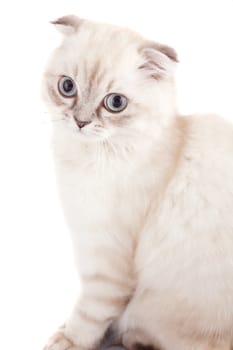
(60, 342)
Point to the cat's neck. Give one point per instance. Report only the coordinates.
(149, 161)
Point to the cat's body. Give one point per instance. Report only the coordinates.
(149, 202)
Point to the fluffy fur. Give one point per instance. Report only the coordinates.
(147, 194)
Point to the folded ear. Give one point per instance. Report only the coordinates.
(67, 24)
(159, 60)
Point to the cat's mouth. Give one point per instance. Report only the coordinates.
(90, 134)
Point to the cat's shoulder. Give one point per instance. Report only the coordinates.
(205, 163)
(206, 133)
(206, 150)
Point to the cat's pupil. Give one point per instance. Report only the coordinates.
(117, 101)
(68, 85)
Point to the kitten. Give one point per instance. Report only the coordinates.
(147, 194)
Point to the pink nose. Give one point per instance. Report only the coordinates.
(81, 124)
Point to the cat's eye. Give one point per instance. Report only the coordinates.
(115, 103)
(67, 87)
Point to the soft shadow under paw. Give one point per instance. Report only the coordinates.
(138, 346)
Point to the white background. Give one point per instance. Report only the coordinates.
(38, 282)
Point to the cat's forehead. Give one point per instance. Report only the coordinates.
(97, 58)
(105, 38)
(96, 48)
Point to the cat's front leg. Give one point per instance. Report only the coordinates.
(105, 293)
(59, 341)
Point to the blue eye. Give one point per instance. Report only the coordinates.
(115, 103)
(67, 87)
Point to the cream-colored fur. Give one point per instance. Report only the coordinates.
(148, 196)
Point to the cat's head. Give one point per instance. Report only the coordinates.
(109, 83)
